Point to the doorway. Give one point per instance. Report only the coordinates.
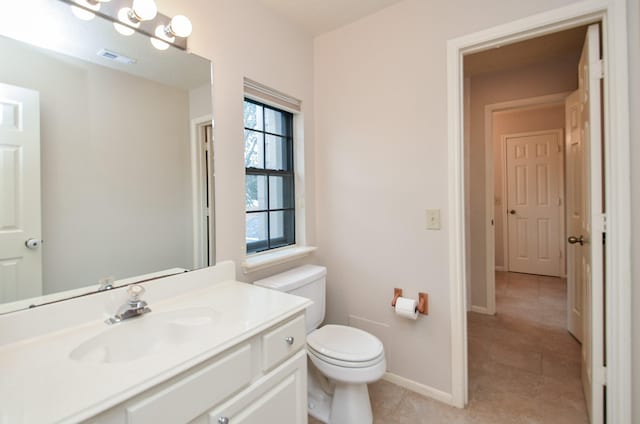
(533, 166)
(523, 341)
(616, 182)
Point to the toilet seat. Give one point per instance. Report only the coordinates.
(345, 364)
(345, 346)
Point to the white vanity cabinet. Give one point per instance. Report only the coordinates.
(261, 379)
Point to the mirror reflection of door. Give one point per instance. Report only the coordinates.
(20, 220)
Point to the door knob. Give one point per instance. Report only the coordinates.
(512, 212)
(574, 240)
(223, 420)
(33, 243)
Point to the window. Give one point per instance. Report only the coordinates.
(269, 185)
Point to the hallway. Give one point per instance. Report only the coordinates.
(523, 364)
(524, 367)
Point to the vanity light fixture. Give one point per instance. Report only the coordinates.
(82, 12)
(137, 16)
(142, 10)
(180, 26)
(160, 35)
(124, 28)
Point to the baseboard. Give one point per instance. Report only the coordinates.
(421, 389)
(501, 268)
(480, 309)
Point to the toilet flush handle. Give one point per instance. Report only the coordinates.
(289, 340)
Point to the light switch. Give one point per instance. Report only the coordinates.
(433, 219)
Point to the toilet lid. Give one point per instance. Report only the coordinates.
(345, 343)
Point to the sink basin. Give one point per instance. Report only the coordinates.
(138, 337)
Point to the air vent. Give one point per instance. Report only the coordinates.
(111, 55)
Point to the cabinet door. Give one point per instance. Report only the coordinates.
(279, 397)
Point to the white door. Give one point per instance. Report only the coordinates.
(574, 212)
(590, 238)
(533, 163)
(20, 266)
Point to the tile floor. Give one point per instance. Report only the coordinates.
(523, 365)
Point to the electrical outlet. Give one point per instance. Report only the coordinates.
(433, 219)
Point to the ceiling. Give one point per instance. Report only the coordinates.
(559, 45)
(320, 16)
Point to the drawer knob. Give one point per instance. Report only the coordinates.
(223, 420)
(289, 340)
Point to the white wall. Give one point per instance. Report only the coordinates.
(381, 134)
(244, 39)
(531, 81)
(514, 122)
(200, 102)
(115, 184)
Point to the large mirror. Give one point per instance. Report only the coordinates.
(103, 156)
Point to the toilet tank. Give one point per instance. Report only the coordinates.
(305, 281)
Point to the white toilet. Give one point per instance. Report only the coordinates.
(344, 358)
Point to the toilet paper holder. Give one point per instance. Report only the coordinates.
(423, 301)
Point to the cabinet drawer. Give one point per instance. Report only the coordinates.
(280, 397)
(278, 344)
(196, 393)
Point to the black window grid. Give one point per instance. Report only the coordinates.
(273, 243)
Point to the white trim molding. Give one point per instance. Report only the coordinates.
(273, 257)
(419, 388)
(612, 15)
(481, 310)
(198, 186)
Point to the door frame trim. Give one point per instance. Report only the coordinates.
(612, 14)
(503, 159)
(490, 232)
(197, 199)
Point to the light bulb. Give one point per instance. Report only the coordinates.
(160, 33)
(144, 10)
(123, 16)
(84, 14)
(180, 26)
(160, 45)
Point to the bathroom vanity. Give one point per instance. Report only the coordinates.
(213, 350)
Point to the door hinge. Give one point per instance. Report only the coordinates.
(603, 223)
(596, 69)
(600, 375)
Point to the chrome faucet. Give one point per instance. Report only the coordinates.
(134, 307)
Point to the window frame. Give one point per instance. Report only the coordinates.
(289, 225)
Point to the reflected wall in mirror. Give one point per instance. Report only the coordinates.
(102, 158)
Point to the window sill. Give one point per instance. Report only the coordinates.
(265, 260)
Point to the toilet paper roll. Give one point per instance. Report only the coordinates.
(407, 308)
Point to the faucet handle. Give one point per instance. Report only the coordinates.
(135, 291)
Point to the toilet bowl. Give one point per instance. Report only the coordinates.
(349, 358)
(342, 360)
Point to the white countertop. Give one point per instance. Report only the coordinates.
(39, 383)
